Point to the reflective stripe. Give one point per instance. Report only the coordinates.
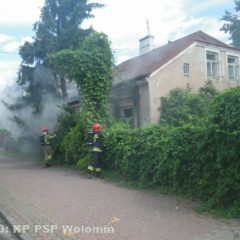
(95, 137)
(96, 149)
(90, 168)
(98, 169)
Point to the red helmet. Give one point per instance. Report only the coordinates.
(44, 130)
(96, 127)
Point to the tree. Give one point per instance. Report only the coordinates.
(232, 25)
(225, 111)
(181, 106)
(58, 28)
(91, 67)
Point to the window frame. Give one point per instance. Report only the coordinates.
(212, 63)
(235, 67)
(186, 67)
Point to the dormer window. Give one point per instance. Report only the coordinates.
(212, 65)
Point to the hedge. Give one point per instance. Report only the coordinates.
(202, 162)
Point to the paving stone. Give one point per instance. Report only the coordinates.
(33, 195)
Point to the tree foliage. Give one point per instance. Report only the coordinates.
(58, 28)
(226, 111)
(200, 161)
(181, 106)
(232, 25)
(91, 67)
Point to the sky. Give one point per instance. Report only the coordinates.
(124, 21)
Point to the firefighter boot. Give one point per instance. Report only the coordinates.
(98, 173)
(47, 164)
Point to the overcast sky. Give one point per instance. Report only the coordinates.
(124, 21)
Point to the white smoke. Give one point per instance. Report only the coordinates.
(23, 122)
(9, 95)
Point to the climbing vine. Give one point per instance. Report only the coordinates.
(91, 67)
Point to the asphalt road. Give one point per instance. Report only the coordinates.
(33, 195)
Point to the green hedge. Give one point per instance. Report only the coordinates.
(202, 162)
(199, 158)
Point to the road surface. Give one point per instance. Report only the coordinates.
(60, 203)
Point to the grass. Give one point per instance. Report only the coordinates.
(218, 213)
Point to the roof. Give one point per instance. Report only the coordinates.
(145, 64)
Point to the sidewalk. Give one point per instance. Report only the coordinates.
(47, 201)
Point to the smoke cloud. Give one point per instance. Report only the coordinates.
(20, 119)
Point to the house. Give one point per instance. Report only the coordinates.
(139, 82)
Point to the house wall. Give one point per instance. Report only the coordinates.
(143, 103)
(172, 76)
(123, 96)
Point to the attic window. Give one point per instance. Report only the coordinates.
(186, 69)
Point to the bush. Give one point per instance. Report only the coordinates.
(74, 144)
(181, 106)
(201, 160)
(66, 121)
(226, 111)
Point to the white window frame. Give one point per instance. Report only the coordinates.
(235, 67)
(186, 69)
(212, 62)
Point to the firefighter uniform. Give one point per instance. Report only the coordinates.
(97, 144)
(47, 147)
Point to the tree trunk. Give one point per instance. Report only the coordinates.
(63, 86)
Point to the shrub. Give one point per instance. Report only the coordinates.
(200, 161)
(181, 106)
(226, 111)
(66, 120)
(74, 144)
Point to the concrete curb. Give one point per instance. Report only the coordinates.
(17, 213)
(8, 222)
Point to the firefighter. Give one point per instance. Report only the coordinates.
(46, 142)
(97, 144)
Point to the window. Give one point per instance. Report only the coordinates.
(212, 65)
(233, 72)
(127, 114)
(186, 69)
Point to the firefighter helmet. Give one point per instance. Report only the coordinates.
(44, 130)
(96, 127)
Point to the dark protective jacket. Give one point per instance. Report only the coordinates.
(97, 142)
